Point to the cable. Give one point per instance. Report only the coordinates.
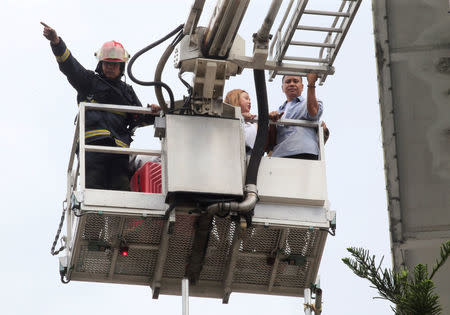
(190, 91)
(153, 83)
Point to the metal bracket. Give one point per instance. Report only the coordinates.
(160, 127)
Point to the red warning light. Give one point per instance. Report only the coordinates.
(123, 249)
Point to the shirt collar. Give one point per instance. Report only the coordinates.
(295, 100)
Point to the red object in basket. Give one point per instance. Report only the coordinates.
(147, 178)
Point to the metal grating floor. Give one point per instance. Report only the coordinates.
(280, 260)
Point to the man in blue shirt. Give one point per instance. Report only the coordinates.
(298, 142)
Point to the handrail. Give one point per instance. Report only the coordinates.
(79, 147)
(83, 147)
(293, 122)
(118, 108)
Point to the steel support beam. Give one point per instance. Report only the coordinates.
(231, 263)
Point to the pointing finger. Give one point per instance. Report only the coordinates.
(44, 24)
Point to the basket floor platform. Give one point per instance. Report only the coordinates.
(279, 254)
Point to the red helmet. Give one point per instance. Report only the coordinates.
(112, 51)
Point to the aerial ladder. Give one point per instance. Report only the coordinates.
(221, 222)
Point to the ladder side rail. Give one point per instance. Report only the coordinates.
(345, 26)
(333, 25)
(353, 7)
(280, 27)
(289, 33)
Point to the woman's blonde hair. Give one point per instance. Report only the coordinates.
(232, 97)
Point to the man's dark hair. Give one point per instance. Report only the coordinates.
(291, 75)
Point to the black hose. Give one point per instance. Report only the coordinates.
(153, 83)
(158, 73)
(263, 127)
(187, 101)
(160, 67)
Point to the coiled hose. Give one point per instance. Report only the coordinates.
(155, 83)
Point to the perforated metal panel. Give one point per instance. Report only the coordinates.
(263, 259)
(101, 228)
(219, 245)
(143, 230)
(99, 237)
(93, 262)
(260, 239)
(180, 246)
(138, 262)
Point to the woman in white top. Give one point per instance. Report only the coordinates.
(240, 98)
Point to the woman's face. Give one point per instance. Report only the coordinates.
(244, 102)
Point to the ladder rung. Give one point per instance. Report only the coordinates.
(330, 13)
(301, 73)
(319, 29)
(327, 45)
(305, 59)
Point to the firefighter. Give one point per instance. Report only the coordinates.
(104, 128)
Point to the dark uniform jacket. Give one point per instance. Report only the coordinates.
(96, 88)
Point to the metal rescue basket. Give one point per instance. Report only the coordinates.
(213, 224)
(131, 237)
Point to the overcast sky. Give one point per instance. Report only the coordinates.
(38, 110)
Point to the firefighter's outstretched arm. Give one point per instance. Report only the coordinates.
(78, 76)
(50, 34)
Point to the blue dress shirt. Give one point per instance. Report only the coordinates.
(292, 140)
